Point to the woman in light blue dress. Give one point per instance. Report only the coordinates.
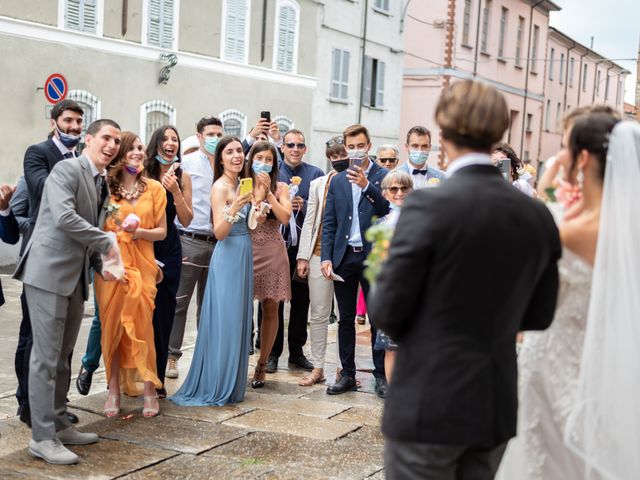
(218, 372)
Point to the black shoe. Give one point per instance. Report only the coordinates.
(25, 415)
(344, 385)
(73, 418)
(161, 392)
(381, 387)
(272, 365)
(251, 351)
(83, 382)
(301, 362)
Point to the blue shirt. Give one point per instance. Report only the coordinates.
(307, 173)
(355, 238)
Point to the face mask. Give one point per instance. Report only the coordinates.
(357, 154)
(417, 157)
(69, 141)
(131, 170)
(166, 162)
(259, 167)
(210, 144)
(340, 165)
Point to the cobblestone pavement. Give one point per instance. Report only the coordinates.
(282, 431)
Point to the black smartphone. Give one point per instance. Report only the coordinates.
(266, 115)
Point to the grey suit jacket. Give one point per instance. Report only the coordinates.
(67, 232)
(431, 171)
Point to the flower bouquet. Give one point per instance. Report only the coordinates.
(379, 235)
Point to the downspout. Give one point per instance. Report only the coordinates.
(475, 57)
(125, 14)
(364, 47)
(526, 79)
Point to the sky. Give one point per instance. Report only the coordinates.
(614, 24)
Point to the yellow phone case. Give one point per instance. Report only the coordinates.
(246, 186)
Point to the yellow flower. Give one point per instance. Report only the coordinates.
(433, 181)
(531, 169)
(296, 180)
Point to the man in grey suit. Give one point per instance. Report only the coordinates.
(55, 271)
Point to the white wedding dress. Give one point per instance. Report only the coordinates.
(548, 369)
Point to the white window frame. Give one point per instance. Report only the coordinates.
(145, 25)
(572, 66)
(232, 113)
(552, 59)
(466, 22)
(379, 5)
(296, 35)
(486, 21)
(547, 116)
(285, 120)
(83, 97)
(223, 32)
(561, 74)
(160, 106)
(504, 21)
(99, 18)
(339, 81)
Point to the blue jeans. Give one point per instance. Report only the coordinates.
(91, 358)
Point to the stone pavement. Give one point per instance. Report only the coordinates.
(282, 431)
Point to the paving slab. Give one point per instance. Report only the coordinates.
(287, 404)
(178, 434)
(364, 415)
(103, 460)
(370, 436)
(300, 425)
(284, 388)
(205, 414)
(350, 398)
(190, 467)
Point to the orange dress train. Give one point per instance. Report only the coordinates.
(126, 309)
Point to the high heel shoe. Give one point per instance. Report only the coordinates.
(112, 406)
(259, 375)
(148, 409)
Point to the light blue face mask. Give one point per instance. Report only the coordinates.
(166, 162)
(259, 167)
(418, 157)
(210, 144)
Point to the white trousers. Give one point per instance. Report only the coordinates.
(320, 301)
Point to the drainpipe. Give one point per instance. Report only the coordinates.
(475, 59)
(526, 79)
(364, 47)
(125, 14)
(404, 15)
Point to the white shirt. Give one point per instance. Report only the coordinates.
(198, 166)
(468, 160)
(419, 181)
(355, 238)
(63, 150)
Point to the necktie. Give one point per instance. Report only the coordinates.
(419, 172)
(99, 187)
(68, 155)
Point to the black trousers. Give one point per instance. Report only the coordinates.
(165, 311)
(298, 316)
(351, 269)
(23, 354)
(425, 461)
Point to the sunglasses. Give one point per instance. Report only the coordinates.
(293, 145)
(387, 160)
(332, 142)
(394, 190)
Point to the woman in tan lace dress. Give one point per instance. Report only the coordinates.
(272, 283)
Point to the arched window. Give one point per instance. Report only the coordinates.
(153, 115)
(235, 30)
(234, 123)
(91, 107)
(284, 124)
(285, 51)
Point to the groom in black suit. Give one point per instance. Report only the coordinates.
(471, 263)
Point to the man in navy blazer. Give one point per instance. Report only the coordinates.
(353, 200)
(9, 231)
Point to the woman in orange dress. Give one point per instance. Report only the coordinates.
(126, 307)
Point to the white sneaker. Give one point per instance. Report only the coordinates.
(52, 451)
(172, 368)
(73, 436)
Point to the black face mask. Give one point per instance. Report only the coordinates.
(340, 165)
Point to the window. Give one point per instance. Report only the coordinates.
(552, 59)
(572, 65)
(547, 116)
(381, 5)
(82, 15)
(504, 16)
(561, 74)
(466, 22)
(234, 123)
(606, 88)
(286, 40)
(160, 21)
(235, 30)
(486, 13)
(340, 74)
(558, 114)
(373, 82)
(534, 49)
(619, 93)
(91, 107)
(284, 124)
(598, 72)
(584, 78)
(529, 122)
(519, 34)
(153, 115)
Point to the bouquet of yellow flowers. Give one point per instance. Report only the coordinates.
(379, 235)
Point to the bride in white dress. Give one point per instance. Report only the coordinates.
(549, 361)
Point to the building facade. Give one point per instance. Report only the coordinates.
(510, 45)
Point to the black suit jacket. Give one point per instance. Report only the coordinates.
(39, 160)
(336, 221)
(9, 233)
(472, 262)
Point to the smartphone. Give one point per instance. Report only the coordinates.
(174, 166)
(246, 186)
(505, 168)
(266, 115)
(356, 162)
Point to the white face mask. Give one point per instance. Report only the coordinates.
(418, 157)
(357, 154)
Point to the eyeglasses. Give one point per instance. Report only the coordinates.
(394, 190)
(332, 142)
(387, 160)
(293, 145)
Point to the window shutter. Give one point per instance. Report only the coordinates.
(154, 22)
(367, 80)
(344, 87)
(286, 38)
(335, 73)
(380, 84)
(166, 32)
(89, 16)
(72, 14)
(235, 30)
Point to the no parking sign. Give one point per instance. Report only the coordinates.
(55, 88)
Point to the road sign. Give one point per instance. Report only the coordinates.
(55, 88)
